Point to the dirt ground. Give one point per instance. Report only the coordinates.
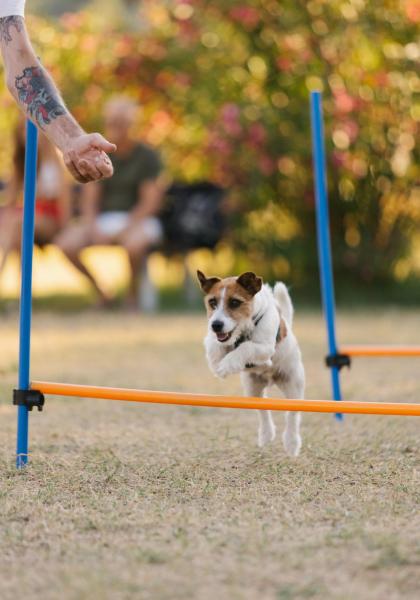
(129, 501)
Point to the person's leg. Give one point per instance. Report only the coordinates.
(71, 241)
(46, 229)
(137, 242)
(136, 251)
(10, 232)
(10, 227)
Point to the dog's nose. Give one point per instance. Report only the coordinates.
(217, 326)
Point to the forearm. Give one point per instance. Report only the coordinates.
(85, 155)
(31, 85)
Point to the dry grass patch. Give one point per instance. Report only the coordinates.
(125, 501)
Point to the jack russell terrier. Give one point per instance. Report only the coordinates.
(250, 332)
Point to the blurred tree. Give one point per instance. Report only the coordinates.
(224, 88)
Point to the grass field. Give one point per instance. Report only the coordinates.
(128, 501)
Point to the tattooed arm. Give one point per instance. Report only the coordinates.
(34, 90)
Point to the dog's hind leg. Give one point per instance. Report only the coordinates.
(255, 386)
(292, 440)
(266, 429)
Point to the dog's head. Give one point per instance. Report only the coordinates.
(229, 303)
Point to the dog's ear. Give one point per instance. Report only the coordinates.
(250, 282)
(206, 284)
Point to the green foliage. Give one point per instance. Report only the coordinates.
(224, 88)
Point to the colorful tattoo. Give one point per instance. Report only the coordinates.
(39, 97)
(6, 24)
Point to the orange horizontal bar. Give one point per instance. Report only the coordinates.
(380, 350)
(322, 406)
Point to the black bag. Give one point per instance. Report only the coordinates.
(192, 216)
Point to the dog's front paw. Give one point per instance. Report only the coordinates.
(223, 369)
(292, 443)
(229, 366)
(266, 434)
(267, 363)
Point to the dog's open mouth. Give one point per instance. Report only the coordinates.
(223, 337)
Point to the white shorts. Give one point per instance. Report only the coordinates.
(112, 223)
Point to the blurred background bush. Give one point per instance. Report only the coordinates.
(224, 88)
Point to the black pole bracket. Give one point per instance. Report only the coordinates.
(29, 398)
(338, 361)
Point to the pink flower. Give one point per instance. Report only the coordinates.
(257, 134)
(71, 20)
(233, 129)
(339, 158)
(412, 9)
(343, 101)
(266, 165)
(246, 15)
(230, 114)
(283, 63)
(219, 145)
(351, 128)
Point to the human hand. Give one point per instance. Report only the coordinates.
(86, 157)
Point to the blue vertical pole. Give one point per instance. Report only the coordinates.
(323, 234)
(28, 229)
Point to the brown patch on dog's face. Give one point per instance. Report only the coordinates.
(230, 298)
(237, 302)
(228, 303)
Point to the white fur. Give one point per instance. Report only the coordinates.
(278, 364)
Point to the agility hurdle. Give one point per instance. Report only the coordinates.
(338, 356)
(31, 395)
(212, 401)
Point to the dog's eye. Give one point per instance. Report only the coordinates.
(213, 303)
(234, 303)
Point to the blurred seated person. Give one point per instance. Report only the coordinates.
(52, 200)
(121, 210)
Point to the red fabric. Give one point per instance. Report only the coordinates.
(48, 208)
(45, 207)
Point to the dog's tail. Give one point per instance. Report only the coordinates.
(281, 294)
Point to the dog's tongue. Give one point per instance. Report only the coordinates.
(222, 337)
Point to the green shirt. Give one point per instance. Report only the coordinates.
(121, 192)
